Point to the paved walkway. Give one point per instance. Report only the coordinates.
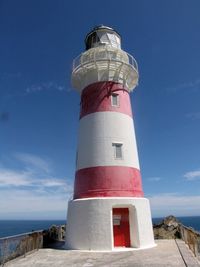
(168, 253)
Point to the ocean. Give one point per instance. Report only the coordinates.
(14, 227)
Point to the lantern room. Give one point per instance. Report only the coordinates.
(102, 35)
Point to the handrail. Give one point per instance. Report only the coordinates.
(106, 55)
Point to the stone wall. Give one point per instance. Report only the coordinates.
(191, 238)
(18, 245)
(14, 246)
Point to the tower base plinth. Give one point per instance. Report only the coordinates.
(107, 224)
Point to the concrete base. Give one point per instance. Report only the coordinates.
(90, 223)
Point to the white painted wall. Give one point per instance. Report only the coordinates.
(97, 132)
(89, 223)
(133, 220)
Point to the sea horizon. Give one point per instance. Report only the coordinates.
(11, 227)
(61, 219)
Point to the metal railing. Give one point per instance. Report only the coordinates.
(18, 245)
(106, 54)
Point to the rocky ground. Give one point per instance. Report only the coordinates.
(169, 228)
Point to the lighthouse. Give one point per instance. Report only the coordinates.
(108, 211)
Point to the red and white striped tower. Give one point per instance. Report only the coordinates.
(108, 209)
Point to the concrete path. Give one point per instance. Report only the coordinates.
(167, 253)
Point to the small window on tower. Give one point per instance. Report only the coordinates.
(117, 150)
(115, 100)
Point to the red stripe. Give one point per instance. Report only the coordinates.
(97, 97)
(108, 181)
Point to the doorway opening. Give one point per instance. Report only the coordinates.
(121, 228)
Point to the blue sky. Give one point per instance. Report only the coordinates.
(39, 109)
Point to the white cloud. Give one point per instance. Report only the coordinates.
(13, 200)
(190, 85)
(154, 179)
(53, 182)
(37, 203)
(192, 175)
(33, 188)
(11, 75)
(175, 204)
(45, 87)
(33, 161)
(193, 115)
(14, 178)
(11, 178)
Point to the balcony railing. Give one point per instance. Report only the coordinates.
(104, 54)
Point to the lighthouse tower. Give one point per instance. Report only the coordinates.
(108, 210)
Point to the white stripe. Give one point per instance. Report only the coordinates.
(97, 132)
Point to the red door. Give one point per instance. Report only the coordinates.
(121, 231)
